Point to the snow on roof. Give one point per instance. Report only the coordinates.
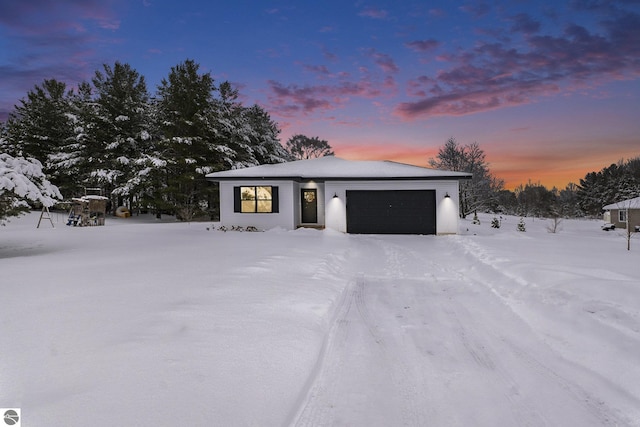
(625, 204)
(331, 167)
(89, 197)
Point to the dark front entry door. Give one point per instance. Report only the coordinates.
(309, 199)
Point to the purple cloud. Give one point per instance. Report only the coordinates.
(523, 23)
(476, 9)
(292, 100)
(423, 45)
(495, 75)
(59, 37)
(383, 61)
(318, 69)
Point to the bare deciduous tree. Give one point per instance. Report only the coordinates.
(302, 147)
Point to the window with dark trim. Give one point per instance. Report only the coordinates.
(255, 199)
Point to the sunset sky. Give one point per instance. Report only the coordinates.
(549, 89)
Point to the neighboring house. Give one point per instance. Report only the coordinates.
(621, 213)
(374, 197)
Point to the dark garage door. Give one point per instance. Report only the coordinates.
(391, 211)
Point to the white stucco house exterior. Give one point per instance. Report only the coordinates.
(373, 197)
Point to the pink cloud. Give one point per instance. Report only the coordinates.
(383, 61)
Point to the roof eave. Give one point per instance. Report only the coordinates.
(339, 178)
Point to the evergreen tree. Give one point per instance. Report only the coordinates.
(535, 200)
(612, 184)
(122, 129)
(41, 126)
(232, 133)
(265, 144)
(70, 165)
(521, 225)
(188, 147)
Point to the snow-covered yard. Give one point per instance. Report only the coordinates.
(141, 323)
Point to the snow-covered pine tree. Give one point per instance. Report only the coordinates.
(232, 131)
(521, 225)
(187, 148)
(122, 128)
(267, 148)
(40, 126)
(70, 164)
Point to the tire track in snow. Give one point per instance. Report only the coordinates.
(508, 369)
(398, 368)
(314, 407)
(383, 361)
(530, 357)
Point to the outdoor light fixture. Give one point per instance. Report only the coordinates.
(335, 195)
(446, 196)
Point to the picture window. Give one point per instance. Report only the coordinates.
(257, 199)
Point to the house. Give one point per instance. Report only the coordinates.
(373, 197)
(621, 214)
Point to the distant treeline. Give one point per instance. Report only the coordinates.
(486, 193)
(617, 182)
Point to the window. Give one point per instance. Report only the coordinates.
(255, 199)
(622, 216)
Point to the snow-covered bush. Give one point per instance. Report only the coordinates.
(495, 222)
(521, 225)
(21, 181)
(475, 221)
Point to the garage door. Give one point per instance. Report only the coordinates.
(391, 211)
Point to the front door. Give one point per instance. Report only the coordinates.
(309, 199)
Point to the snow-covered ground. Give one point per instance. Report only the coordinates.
(139, 323)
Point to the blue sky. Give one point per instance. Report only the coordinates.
(550, 90)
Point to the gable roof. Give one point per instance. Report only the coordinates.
(335, 168)
(625, 204)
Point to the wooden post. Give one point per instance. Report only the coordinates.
(45, 209)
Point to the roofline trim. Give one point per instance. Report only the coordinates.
(324, 179)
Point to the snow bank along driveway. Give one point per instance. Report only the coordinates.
(153, 324)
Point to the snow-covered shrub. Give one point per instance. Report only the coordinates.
(495, 222)
(475, 221)
(521, 225)
(22, 181)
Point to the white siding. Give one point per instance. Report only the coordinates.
(321, 201)
(446, 208)
(284, 218)
(332, 211)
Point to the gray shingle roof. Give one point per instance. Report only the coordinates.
(625, 204)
